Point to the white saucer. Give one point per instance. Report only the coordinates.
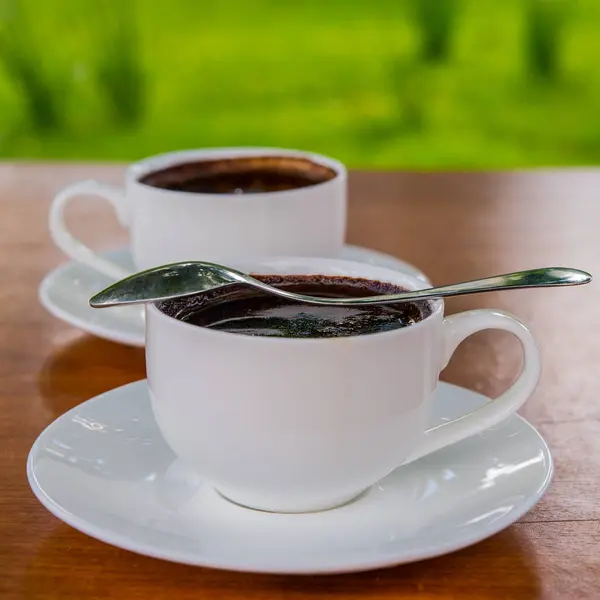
(65, 292)
(104, 469)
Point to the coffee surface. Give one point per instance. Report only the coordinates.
(246, 175)
(247, 312)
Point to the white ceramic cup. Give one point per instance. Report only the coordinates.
(295, 425)
(171, 226)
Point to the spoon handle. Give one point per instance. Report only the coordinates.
(547, 277)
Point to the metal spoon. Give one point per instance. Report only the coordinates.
(188, 278)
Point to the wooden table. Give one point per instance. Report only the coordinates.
(453, 226)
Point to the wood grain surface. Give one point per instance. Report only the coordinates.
(453, 226)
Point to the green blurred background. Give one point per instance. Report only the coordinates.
(431, 84)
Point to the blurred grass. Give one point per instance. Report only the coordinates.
(545, 20)
(21, 56)
(340, 77)
(435, 21)
(119, 65)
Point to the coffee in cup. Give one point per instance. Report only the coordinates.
(242, 310)
(241, 175)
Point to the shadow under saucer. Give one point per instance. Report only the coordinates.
(85, 368)
(68, 560)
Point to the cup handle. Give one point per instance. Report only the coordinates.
(73, 247)
(457, 328)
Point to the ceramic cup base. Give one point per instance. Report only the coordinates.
(288, 508)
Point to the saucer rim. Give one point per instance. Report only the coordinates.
(134, 340)
(351, 566)
(73, 320)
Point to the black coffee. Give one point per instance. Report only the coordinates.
(243, 311)
(247, 175)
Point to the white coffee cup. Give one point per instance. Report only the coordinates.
(171, 226)
(295, 425)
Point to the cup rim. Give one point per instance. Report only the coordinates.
(437, 307)
(165, 159)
